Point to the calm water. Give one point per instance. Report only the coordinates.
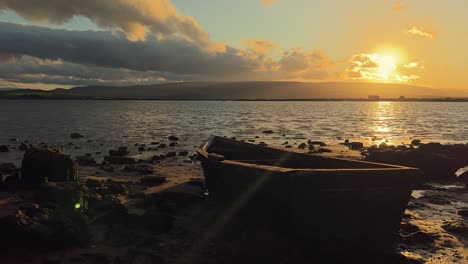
(113, 123)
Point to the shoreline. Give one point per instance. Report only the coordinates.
(433, 230)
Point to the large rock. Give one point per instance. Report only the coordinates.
(4, 148)
(42, 165)
(64, 194)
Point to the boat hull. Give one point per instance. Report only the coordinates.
(321, 209)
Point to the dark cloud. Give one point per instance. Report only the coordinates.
(105, 49)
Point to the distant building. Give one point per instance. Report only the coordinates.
(373, 97)
(402, 98)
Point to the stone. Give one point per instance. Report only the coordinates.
(122, 151)
(76, 135)
(4, 148)
(302, 146)
(64, 194)
(162, 145)
(311, 147)
(23, 146)
(119, 160)
(152, 180)
(172, 144)
(183, 153)
(141, 148)
(171, 154)
(356, 145)
(91, 183)
(173, 138)
(141, 169)
(41, 165)
(158, 157)
(263, 144)
(268, 132)
(416, 142)
(323, 150)
(288, 146)
(85, 160)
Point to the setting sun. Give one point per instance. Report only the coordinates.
(386, 66)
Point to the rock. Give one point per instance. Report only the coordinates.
(162, 145)
(420, 237)
(416, 142)
(316, 143)
(152, 180)
(4, 148)
(76, 135)
(457, 229)
(122, 151)
(85, 160)
(323, 150)
(91, 183)
(158, 157)
(119, 160)
(171, 154)
(141, 148)
(288, 146)
(285, 143)
(183, 153)
(141, 169)
(41, 165)
(431, 147)
(302, 146)
(463, 213)
(263, 144)
(23, 146)
(346, 142)
(173, 138)
(311, 147)
(155, 143)
(64, 194)
(268, 132)
(356, 145)
(8, 168)
(172, 144)
(383, 145)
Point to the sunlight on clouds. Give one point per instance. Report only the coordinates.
(384, 67)
(422, 30)
(398, 7)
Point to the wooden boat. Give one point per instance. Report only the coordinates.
(325, 201)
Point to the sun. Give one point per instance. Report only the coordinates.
(387, 66)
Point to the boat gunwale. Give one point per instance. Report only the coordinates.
(389, 167)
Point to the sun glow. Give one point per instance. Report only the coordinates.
(387, 66)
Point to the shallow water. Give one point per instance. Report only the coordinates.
(113, 123)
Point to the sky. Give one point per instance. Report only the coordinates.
(126, 42)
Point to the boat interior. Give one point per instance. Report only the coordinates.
(254, 154)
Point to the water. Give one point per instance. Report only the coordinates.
(113, 123)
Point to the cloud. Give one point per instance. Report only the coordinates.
(34, 54)
(268, 2)
(398, 6)
(380, 67)
(136, 18)
(422, 30)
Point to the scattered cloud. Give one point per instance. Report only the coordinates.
(422, 30)
(398, 6)
(268, 2)
(381, 67)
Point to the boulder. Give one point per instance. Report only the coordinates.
(76, 135)
(119, 160)
(173, 138)
(67, 195)
(85, 160)
(152, 180)
(41, 165)
(416, 142)
(4, 148)
(122, 151)
(356, 145)
(302, 146)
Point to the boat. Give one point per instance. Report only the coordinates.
(324, 201)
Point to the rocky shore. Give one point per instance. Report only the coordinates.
(127, 209)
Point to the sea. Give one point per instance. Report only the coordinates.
(108, 124)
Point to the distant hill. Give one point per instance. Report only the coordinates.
(245, 91)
